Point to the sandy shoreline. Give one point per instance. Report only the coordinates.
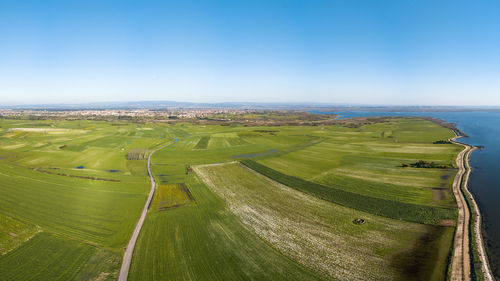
(461, 260)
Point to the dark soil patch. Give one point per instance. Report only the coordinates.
(445, 177)
(171, 207)
(439, 193)
(113, 171)
(424, 260)
(186, 190)
(73, 176)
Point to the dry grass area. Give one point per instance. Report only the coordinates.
(316, 233)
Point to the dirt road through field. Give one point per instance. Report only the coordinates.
(460, 266)
(127, 257)
(485, 267)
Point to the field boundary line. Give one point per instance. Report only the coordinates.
(129, 251)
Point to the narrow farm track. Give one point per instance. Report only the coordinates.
(460, 266)
(129, 251)
(485, 268)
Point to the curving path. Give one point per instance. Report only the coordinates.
(485, 267)
(460, 267)
(127, 257)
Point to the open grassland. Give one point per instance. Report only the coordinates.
(303, 227)
(202, 143)
(187, 234)
(94, 194)
(48, 257)
(367, 161)
(205, 241)
(99, 212)
(73, 181)
(387, 208)
(13, 233)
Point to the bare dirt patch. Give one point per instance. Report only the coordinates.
(438, 193)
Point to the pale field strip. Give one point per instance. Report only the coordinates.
(316, 233)
(403, 180)
(320, 152)
(13, 146)
(413, 148)
(382, 147)
(41, 130)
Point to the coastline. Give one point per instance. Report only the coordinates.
(479, 260)
(468, 224)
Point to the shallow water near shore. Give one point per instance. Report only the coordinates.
(483, 128)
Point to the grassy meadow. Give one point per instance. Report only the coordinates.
(68, 185)
(75, 189)
(303, 228)
(378, 206)
(368, 160)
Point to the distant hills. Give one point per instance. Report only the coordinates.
(168, 105)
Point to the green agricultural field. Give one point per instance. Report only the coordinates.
(203, 142)
(379, 206)
(302, 227)
(367, 161)
(205, 241)
(48, 257)
(13, 233)
(75, 189)
(72, 180)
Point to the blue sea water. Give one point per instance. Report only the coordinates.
(483, 128)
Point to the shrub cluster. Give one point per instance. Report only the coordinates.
(137, 154)
(427, 165)
(442, 142)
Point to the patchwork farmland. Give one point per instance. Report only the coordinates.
(228, 200)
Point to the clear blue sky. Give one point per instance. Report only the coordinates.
(369, 52)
